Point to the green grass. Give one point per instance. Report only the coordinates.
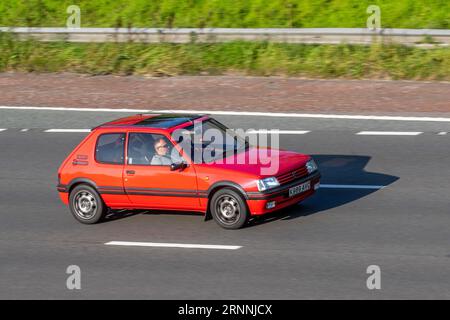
(246, 58)
(227, 13)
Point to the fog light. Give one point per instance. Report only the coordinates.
(317, 186)
(270, 205)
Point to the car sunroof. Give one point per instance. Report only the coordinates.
(166, 121)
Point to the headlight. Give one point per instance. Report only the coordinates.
(311, 166)
(267, 183)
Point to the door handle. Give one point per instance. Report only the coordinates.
(130, 172)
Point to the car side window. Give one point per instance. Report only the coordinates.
(151, 149)
(110, 148)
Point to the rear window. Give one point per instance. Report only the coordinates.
(110, 148)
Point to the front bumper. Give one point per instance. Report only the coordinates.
(257, 201)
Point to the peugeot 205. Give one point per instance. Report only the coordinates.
(181, 162)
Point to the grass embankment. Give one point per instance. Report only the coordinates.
(228, 13)
(246, 58)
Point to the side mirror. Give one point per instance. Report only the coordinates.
(178, 166)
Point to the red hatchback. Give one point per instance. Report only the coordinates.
(181, 162)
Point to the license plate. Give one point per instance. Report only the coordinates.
(299, 189)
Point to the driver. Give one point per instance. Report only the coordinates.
(162, 156)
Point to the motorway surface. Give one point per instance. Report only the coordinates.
(319, 249)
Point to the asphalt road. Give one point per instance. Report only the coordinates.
(318, 250)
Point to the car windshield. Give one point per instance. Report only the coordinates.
(209, 141)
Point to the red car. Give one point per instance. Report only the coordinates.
(181, 162)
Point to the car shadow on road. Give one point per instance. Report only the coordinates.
(113, 215)
(335, 170)
(125, 213)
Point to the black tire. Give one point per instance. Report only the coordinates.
(229, 209)
(86, 205)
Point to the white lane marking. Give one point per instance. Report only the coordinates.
(171, 245)
(241, 113)
(67, 130)
(3, 130)
(350, 186)
(24, 130)
(275, 131)
(82, 109)
(388, 133)
(442, 133)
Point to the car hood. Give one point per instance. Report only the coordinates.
(263, 162)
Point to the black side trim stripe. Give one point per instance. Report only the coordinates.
(181, 195)
(113, 192)
(155, 194)
(163, 190)
(65, 188)
(110, 187)
(144, 191)
(158, 192)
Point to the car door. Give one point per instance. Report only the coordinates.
(155, 185)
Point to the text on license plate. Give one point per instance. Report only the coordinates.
(299, 189)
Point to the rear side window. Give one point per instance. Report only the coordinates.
(110, 148)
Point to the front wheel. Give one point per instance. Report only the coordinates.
(229, 209)
(86, 205)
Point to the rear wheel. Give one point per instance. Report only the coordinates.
(229, 209)
(86, 204)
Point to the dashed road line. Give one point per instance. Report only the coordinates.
(388, 133)
(171, 245)
(66, 130)
(351, 186)
(442, 133)
(275, 131)
(3, 130)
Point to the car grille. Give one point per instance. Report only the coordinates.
(292, 175)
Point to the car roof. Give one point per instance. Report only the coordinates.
(155, 120)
